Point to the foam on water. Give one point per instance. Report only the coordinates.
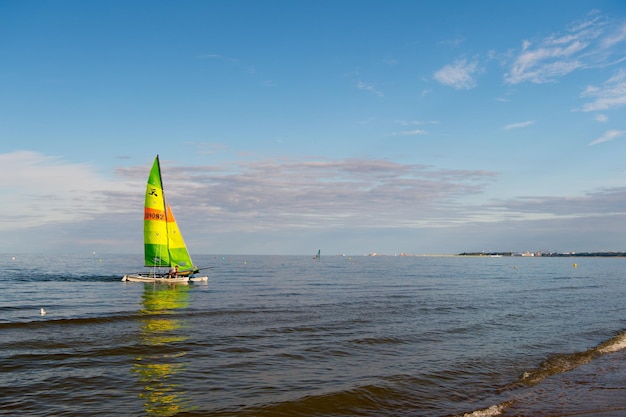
(613, 345)
(493, 411)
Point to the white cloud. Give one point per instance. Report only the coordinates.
(265, 199)
(600, 202)
(37, 189)
(587, 44)
(413, 132)
(263, 195)
(210, 56)
(519, 125)
(417, 122)
(452, 42)
(234, 62)
(602, 118)
(610, 95)
(544, 64)
(609, 135)
(615, 38)
(369, 88)
(458, 75)
(257, 195)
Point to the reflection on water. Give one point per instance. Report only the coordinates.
(162, 347)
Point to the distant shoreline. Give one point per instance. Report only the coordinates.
(502, 254)
(547, 254)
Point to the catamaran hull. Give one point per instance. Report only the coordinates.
(163, 280)
(151, 278)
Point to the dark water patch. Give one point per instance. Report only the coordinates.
(238, 349)
(45, 322)
(380, 341)
(400, 395)
(26, 276)
(367, 400)
(309, 330)
(82, 394)
(582, 287)
(324, 352)
(292, 356)
(71, 358)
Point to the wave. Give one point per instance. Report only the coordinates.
(81, 321)
(554, 365)
(493, 411)
(359, 401)
(564, 362)
(34, 276)
(396, 396)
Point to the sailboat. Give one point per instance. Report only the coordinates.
(317, 256)
(164, 245)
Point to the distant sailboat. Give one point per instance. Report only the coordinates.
(318, 255)
(163, 243)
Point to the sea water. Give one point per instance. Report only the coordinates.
(296, 336)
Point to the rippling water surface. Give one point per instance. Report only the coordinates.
(293, 336)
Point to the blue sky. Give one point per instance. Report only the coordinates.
(284, 127)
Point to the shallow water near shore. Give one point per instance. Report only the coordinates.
(294, 336)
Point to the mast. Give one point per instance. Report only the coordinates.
(158, 162)
(167, 240)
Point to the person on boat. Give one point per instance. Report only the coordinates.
(173, 272)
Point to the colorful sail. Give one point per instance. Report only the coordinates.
(163, 242)
(176, 244)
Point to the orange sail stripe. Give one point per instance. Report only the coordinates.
(152, 214)
(170, 215)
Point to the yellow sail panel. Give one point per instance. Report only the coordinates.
(154, 220)
(176, 244)
(154, 227)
